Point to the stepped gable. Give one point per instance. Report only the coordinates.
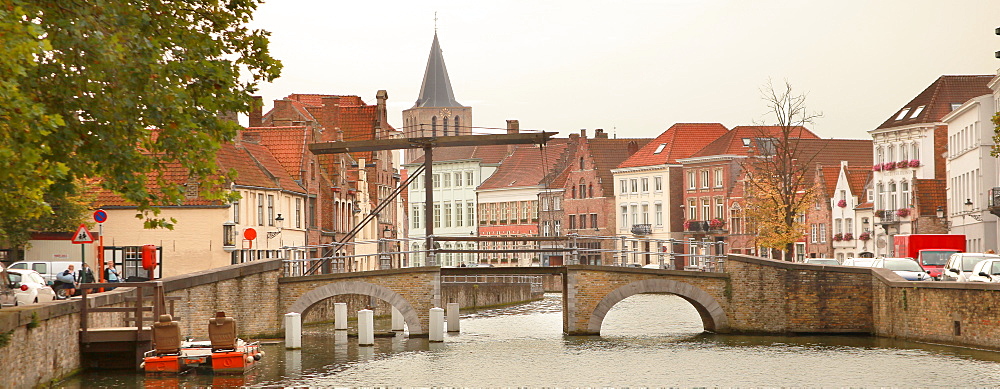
(732, 142)
(528, 165)
(680, 141)
(932, 193)
(938, 99)
(608, 153)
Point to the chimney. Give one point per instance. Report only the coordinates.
(256, 112)
(600, 134)
(513, 127)
(282, 113)
(583, 132)
(632, 147)
(382, 121)
(329, 117)
(228, 116)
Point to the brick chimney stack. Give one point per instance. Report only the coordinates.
(513, 127)
(329, 117)
(381, 117)
(600, 134)
(282, 114)
(257, 112)
(583, 132)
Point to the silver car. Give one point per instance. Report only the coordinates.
(960, 265)
(986, 271)
(907, 268)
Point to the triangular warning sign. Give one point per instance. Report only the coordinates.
(82, 235)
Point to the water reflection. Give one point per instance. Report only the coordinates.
(647, 340)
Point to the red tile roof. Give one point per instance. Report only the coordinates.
(608, 153)
(868, 205)
(527, 166)
(857, 178)
(937, 99)
(731, 143)
(289, 145)
(679, 141)
(490, 154)
(828, 153)
(930, 194)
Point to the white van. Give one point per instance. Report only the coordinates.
(48, 269)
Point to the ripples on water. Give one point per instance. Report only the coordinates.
(647, 340)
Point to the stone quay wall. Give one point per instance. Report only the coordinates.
(770, 296)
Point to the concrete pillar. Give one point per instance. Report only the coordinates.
(366, 327)
(452, 314)
(397, 320)
(340, 316)
(293, 331)
(293, 363)
(436, 333)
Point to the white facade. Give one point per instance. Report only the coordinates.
(893, 184)
(642, 197)
(972, 172)
(454, 204)
(845, 218)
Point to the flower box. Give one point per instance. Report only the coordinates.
(903, 212)
(888, 166)
(865, 236)
(902, 164)
(716, 224)
(877, 167)
(842, 203)
(838, 237)
(914, 163)
(879, 213)
(848, 236)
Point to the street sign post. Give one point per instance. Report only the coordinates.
(82, 235)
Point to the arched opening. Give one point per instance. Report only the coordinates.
(713, 317)
(652, 314)
(315, 296)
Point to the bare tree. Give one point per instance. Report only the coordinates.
(778, 183)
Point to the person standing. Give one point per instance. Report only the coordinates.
(86, 275)
(111, 274)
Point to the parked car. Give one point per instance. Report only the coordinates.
(7, 288)
(654, 266)
(29, 287)
(822, 261)
(859, 262)
(47, 269)
(986, 271)
(907, 268)
(959, 266)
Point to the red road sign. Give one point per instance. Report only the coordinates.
(82, 235)
(250, 234)
(100, 216)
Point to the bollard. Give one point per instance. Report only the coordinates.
(366, 327)
(340, 316)
(397, 320)
(452, 314)
(293, 331)
(436, 333)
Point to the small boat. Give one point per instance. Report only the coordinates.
(223, 354)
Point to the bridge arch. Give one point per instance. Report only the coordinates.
(394, 299)
(713, 317)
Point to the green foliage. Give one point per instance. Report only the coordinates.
(996, 138)
(5, 338)
(112, 92)
(35, 322)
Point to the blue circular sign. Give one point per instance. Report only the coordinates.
(100, 216)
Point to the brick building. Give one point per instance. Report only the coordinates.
(826, 226)
(589, 193)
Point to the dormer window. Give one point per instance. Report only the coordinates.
(902, 114)
(917, 111)
(955, 106)
(659, 148)
(746, 142)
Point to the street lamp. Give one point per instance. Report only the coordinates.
(278, 221)
(968, 211)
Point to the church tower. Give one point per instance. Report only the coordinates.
(436, 113)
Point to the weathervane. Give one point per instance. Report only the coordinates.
(435, 22)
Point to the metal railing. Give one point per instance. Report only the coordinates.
(888, 217)
(994, 199)
(534, 281)
(696, 226)
(642, 229)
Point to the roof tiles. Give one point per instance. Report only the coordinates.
(938, 99)
(681, 140)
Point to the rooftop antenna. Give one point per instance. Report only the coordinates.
(614, 132)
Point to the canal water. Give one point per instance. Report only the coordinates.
(647, 340)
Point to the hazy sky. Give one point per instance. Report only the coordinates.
(634, 67)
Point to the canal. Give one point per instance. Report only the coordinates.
(648, 340)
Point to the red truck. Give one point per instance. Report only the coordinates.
(930, 250)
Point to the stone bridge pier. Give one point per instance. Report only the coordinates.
(591, 291)
(412, 291)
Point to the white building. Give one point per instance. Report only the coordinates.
(848, 213)
(909, 146)
(972, 172)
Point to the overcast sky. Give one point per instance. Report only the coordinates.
(634, 68)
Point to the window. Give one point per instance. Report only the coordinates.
(815, 233)
(458, 179)
(635, 214)
(468, 179)
(822, 232)
(270, 210)
(735, 221)
(593, 220)
(298, 213)
(437, 215)
(658, 212)
(590, 190)
(893, 196)
(635, 185)
(573, 193)
(583, 221)
(557, 227)
(890, 153)
(415, 211)
(572, 222)
(916, 151)
(692, 209)
(645, 214)
(624, 185)
(434, 125)
(658, 183)
(236, 211)
(879, 156)
(659, 148)
(905, 186)
(917, 112)
(457, 123)
(556, 203)
(838, 227)
(260, 209)
(902, 113)
(470, 213)
(691, 181)
(645, 185)
(545, 229)
(437, 181)
(704, 179)
(720, 210)
(624, 216)
(706, 208)
(447, 180)
(718, 178)
(447, 214)
(312, 213)
(849, 225)
(581, 163)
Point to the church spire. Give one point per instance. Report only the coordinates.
(436, 91)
